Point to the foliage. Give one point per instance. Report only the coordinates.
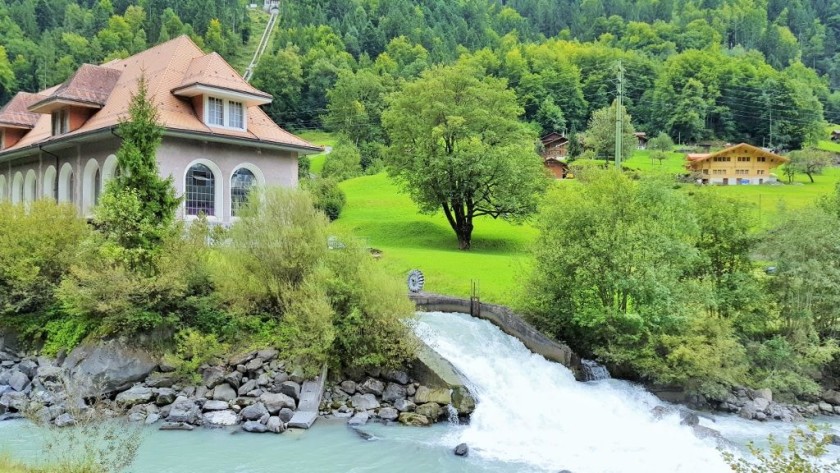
(660, 146)
(321, 304)
(327, 197)
(37, 247)
(193, 349)
(600, 135)
(457, 145)
(343, 162)
(810, 161)
(138, 206)
(803, 452)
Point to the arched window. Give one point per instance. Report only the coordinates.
(48, 183)
(66, 184)
(240, 185)
(30, 187)
(97, 187)
(2, 188)
(200, 191)
(110, 169)
(91, 186)
(17, 188)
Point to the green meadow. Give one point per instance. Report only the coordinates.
(387, 220)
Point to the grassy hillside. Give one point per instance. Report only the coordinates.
(389, 221)
(320, 138)
(243, 56)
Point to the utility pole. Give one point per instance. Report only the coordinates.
(618, 117)
(770, 145)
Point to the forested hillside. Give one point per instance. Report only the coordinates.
(763, 71)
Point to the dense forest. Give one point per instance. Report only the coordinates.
(762, 71)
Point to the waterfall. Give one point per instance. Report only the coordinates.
(593, 371)
(533, 414)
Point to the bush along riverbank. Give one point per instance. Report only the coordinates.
(257, 391)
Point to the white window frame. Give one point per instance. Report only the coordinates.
(226, 113)
(232, 105)
(60, 122)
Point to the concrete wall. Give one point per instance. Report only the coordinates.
(508, 322)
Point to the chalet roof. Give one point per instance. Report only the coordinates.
(743, 147)
(165, 67)
(553, 137)
(89, 86)
(640, 134)
(16, 114)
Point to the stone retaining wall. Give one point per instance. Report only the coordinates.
(509, 322)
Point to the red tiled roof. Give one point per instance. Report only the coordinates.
(212, 70)
(165, 67)
(90, 84)
(16, 113)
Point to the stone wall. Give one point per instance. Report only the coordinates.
(509, 322)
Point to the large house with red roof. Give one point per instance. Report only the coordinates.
(60, 143)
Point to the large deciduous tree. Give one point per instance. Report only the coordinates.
(458, 145)
(601, 133)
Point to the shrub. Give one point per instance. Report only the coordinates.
(802, 453)
(344, 162)
(37, 246)
(327, 197)
(194, 349)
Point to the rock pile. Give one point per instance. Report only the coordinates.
(391, 396)
(758, 404)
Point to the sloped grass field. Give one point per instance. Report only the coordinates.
(388, 220)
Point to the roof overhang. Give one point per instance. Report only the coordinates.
(241, 141)
(197, 88)
(16, 126)
(51, 104)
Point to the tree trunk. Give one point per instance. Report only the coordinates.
(810, 176)
(461, 223)
(464, 237)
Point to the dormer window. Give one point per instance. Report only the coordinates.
(225, 113)
(60, 122)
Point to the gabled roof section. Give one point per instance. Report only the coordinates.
(165, 67)
(211, 73)
(743, 147)
(16, 114)
(89, 87)
(553, 137)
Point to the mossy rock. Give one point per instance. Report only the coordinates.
(414, 419)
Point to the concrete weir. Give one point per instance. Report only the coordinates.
(507, 321)
(310, 400)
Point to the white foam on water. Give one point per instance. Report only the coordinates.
(532, 411)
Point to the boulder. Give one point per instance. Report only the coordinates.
(291, 389)
(833, 439)
(748, 411)
(160, 380)
(64, 420)
(183, 410)
(152, 418)
(13, 400)
(275, 425)
(463, 401)
(106, 367)
(280, 378)
(136, 395)
(412, 418)
(705, 432)
(832, 397)
(765, 393)
(253, 365)
(363, 402)
(18, 381)
(439, 396)
(176, 426)
(215, 406)
(396, 376)
(404, 405)
(213, 376)
(761, 404)
(247, 387)
(371, 386)
(234, 378)
(689, 418)
(430, 410)
(276, 401)
(241, 359)
(267, 355)
(165, 396)
(224, 392)
(254, 427)
(286, 414)
(393, 392)
(360, 418)
(388, 413)
(28, 367)
(462, 450)
(221, 418)
(826, 407)
(254, 411)
(348, 387)
(263, 380)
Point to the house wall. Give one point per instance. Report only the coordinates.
(52, 170)
(749, 170)
(558, 169)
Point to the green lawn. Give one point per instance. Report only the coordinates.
(389, 221)
(320, 138)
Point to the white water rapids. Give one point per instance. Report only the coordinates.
(532, 412)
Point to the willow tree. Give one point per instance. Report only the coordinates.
(457, 145)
